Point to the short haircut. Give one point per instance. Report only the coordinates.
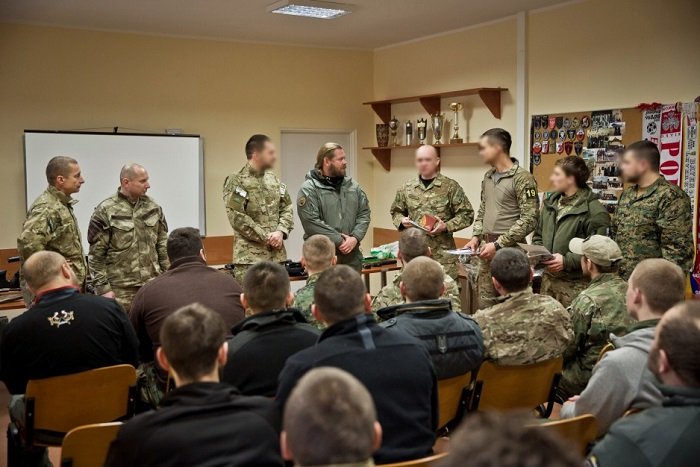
(511, 268)
(499, 136)
(340, 293)
(679, 337)
(255, 143)
(266, 286)
(41, 268)
(327, 151)
(495, 439)
(58, 166)
(412, 244)
(129, 171)
(423, 279)
(575, 166)
(318, 252)
(184, 242)
(648, 151)
(329, 419)
(661, 282)
(191, 338)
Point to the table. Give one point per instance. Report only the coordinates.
(12, 304)
(366, 273)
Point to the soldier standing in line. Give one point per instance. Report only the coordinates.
(653, 218)
(333, 204)
(51, 224)
(259, 208)
(128, 235)
(431, 193)
(508, 210)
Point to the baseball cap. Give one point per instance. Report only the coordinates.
(600, 249)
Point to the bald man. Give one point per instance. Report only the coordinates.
(128, 235)
(431, 193)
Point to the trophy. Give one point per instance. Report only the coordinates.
(422, 128)
(382, 135)
(438, 123)
(394, 128)
(409, 133)
(456, 107)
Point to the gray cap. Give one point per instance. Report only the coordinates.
(600, 249)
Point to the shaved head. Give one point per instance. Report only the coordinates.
(131, 171)
(427, 162)
(43, 268)
(133, 180)
(422, 279)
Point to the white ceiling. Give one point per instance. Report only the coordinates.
(373, 23)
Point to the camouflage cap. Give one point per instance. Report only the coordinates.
(600, 249)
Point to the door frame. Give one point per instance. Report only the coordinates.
(352, 150)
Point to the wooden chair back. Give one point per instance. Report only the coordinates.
(501, 387)
(450, 397)
(580, 431)
(87, 446)
(429, 461)
(62, 403)
(606, 348)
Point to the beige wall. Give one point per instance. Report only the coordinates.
(65, 79)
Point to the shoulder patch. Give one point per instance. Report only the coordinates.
(530, 193)
(240, 192)
(283, 189)
(302, 201)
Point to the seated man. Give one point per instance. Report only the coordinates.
(64, 332)
(188, 280)
(262, 342)
(621, 380)
(452, 339)
(203, 421)
(523, 327)
(317, 255)
(667, 435)
(394, 367)
(596, 312)
(413, 243)
(320, 431)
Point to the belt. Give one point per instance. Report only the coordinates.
(489, 238)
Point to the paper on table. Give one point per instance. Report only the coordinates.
(461, 252)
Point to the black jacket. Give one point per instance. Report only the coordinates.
(655, 437)
(260, 347)
(65, 332)
(201, 424)
(396, 370)
(453, 339)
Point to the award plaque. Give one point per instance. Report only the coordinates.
(456, 107)
(438, 123)
(394, 129)
(409, 133)
(422, 129)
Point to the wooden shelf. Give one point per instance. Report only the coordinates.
(383, 153)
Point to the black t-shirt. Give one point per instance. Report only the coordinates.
(65, 332)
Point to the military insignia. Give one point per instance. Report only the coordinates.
(560, 147)
(560, 122)
(585, 121)
(567, 122)
(302, 201)
(241, 192)
(283, 189)
(552, 122)
(562, 135)
(60, 318)
(536, 159)
(580, 134)
(537, 135)
(578, 147)
(536, 122)
(545, 146)
(553, 134)
(537, 147)
(543, 121)
(575, 123)
(570, 133)
(568, 146)
(530, 193)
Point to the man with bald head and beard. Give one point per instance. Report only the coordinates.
(128, 238)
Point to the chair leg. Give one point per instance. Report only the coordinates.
(14, 447)
(552, 395)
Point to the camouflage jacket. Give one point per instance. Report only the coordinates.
(443, 198)
(304, 298)
(654, 224)
(257, 204)
(51, 225)
(524, 197)
(391, 294)
(524, 328)
(597, 312)
(127, 243)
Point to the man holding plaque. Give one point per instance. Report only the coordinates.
(434, 203)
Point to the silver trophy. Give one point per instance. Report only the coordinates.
(456, 107)
(438, 123)
(394, 129)
(409, 133)
(422, 129)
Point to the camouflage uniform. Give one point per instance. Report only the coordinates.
(51, 225)
(127, 246)
(257, 204)
(596, 313)
(656, 223)
(511, 216)
(391, 294)
(524, 328)
(443, 198)
(304, 298)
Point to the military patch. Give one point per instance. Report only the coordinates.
(536, 159)
(568, 146)
(545, 146)
(567, 122)
(580, 134)
(562, 135)
(585, 121)
(553, 134)
(537, 147)
(241, 192)
(560, 147)
(283, 189)
(578, 147)
(552, 123)
(530, 193)
(560, 122)
(571, 133)
(544, 121)
(575, 122)
(302, 201)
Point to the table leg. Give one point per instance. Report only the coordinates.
(367, 282)
(383, 276)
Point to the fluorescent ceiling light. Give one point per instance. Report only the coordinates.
(310, 9)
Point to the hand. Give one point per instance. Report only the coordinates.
(572, 399)
(109, 294)
(406, 222)
(556, 264)
(488, 251)
(439, 227)
(275, 240)
(473, 244)
(349, 244)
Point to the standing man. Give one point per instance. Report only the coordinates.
(128, 238)
(653, 218)
(51, 224)
(434, 194)
(508, 209)
(259, 208)
(334, 205)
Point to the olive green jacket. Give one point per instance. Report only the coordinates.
(586, 217)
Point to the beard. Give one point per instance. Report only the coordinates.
(336, 172)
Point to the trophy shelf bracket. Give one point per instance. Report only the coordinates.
(492, 99)
(383, 111)
(383, 155)
(431, 104)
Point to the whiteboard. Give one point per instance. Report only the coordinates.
(175, 165)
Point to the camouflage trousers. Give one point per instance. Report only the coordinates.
(124, 296)
(574, 380)
(448, 262)
(563, 290)
(239, 272)
(487, 292)
(150, 383)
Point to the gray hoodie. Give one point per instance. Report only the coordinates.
(621, 380)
